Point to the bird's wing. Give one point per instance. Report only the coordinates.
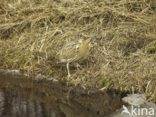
(69, 51)
(70, 45)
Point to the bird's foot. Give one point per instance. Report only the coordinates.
(78, 66)
(69, 76)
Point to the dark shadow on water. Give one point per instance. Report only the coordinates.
(24, 97)
(13, 105)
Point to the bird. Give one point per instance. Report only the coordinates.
(74, 51)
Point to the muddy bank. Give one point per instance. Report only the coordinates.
(69, 100)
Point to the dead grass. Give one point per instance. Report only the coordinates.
(32, 32)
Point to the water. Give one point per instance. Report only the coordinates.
(13, 105)
(24, 97)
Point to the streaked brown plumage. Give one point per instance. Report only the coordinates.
(74, 51)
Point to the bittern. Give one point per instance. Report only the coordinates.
(74, 51)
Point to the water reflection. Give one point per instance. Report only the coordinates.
(1, 103)
(13, 105)
(24, 97)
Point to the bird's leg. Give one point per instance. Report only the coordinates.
(78, 66)
(68, 70)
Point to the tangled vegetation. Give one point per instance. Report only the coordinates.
(33, 31)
